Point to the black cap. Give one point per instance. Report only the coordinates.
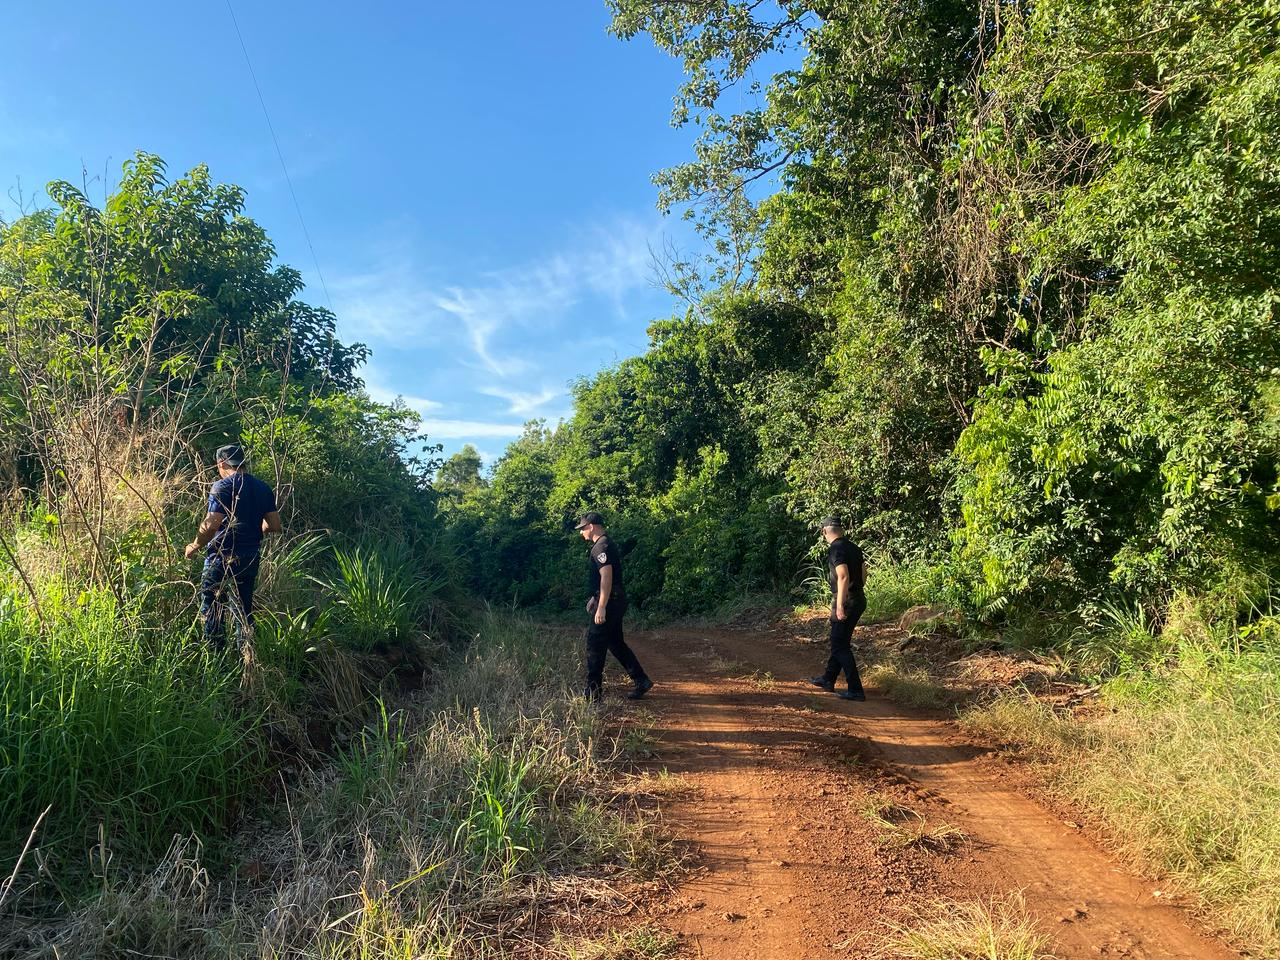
(589, 518)
(832, 522)
(232, 454)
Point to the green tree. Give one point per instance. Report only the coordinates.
(461, 471)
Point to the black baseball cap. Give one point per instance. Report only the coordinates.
(589, 518)
(832, 522)
(232, 454)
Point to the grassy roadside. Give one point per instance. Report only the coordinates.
(474, 817)
(1183, 768)
(1168, 736)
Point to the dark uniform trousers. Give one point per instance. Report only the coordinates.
(842, 646)
(605, 638)
(222, 575)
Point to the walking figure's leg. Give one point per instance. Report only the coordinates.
(626, 656)
(838, 642)
(597, 650)
(212, 594)
(842, 649)
(246, 578)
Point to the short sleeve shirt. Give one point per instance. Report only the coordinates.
(244, 501)
(842, 551)
(604, 553)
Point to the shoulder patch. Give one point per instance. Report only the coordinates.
(602, 557)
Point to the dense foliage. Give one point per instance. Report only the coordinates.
(357, 776)
(135, 338)
(994, 280)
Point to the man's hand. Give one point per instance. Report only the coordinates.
(599, 618)
(840, 614)
(210, 525)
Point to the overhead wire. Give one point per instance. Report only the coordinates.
(280, 154)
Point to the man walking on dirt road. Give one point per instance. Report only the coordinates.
(241, 510)
(846, 573)
(606, 605)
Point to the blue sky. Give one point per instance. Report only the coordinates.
(474, 178)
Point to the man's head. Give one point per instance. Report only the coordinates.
(231, 459)
(590, 525)
(831, 529)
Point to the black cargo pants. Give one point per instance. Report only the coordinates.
(842, 647)
(605, 638)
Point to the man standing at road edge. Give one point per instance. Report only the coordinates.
(847, 574)
(606, 605)
(241, 510)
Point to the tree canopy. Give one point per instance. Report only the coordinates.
(993, 280)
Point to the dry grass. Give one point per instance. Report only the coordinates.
(910, 685)
(996, 929)
(760, 679)
(711, 655)
(110, 492)
(642, 943)
(660, 785)
(443, 830)
(901, 826)
(1186, 774)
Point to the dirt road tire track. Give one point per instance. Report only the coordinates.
(790, 865)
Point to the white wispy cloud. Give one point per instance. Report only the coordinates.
(515, 334)
(438, 429)
(388, 303)
(395, 304)
(520, 403)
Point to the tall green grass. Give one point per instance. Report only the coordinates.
(893, 588)
(107, 725)
(379, 597)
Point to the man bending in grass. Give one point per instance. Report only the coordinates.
(847, 574)
(241, 509)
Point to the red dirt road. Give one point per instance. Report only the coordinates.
(791, 865)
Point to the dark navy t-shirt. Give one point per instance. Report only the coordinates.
(244, 500)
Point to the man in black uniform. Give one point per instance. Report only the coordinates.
(606, 604)
(846, 572)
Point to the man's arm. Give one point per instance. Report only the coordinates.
(842, 588)
(271, 523)
(210, 525)
(606, 588)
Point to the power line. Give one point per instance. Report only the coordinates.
(279, 153)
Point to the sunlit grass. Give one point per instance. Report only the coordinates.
(995, 929)
(1184, 767)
